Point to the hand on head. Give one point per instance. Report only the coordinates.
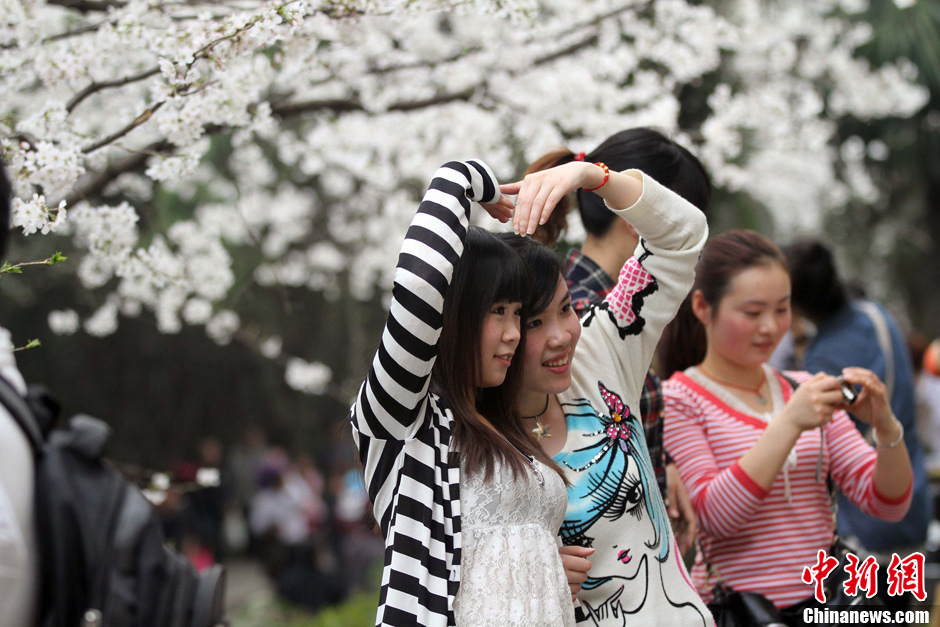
(539, 192)
(501, 210)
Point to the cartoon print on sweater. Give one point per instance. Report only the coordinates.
(611, 478)
(634, 285)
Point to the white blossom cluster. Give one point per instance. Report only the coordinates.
(35, 215)
(308, 377)
(65, 322)
(335, 114)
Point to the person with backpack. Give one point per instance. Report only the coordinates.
(19, 565)
(79, 543)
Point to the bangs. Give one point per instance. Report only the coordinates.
(544, 267)
(495, 272)
(510, 280)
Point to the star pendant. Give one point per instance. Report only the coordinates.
(540, 430)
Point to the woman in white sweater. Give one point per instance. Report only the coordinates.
(583, 411)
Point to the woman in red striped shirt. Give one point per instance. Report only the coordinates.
(753, 452)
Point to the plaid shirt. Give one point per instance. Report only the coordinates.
(589, 285)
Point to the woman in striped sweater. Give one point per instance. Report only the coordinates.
(753, 452)
(468, 505)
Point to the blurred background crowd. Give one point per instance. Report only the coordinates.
(304, 518)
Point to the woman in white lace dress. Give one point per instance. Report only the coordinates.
(468, 505)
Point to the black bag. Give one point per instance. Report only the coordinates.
(103, 559)
(734, 608)
(739, 609)
(836, 597)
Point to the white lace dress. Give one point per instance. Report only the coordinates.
(510, 570)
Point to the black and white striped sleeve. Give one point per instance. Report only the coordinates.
(395, 393)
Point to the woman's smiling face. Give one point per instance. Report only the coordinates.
(498, 341)
(551, 338)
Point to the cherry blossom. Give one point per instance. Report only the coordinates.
(304, 131)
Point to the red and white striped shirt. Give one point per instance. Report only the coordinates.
(757, 539)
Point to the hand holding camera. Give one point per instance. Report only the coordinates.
(871, 405)
(848, 391)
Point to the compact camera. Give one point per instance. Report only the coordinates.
(848, 391)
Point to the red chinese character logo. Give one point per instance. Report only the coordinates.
(907, 575)
(817, 573)
(864, 576)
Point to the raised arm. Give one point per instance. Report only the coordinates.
(651, 285)
(653, 282)
(394, 395)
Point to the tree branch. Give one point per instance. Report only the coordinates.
(120, 82)
(96, 86)
(388, 69)
(30, 344)
(9, 268)
(587, 42)
(96, 183)
(631, 6)
(140, 119)
(81, 30)
(413, 105)
(25, 138)
(336, 105)
(87, 6)
(212, 44)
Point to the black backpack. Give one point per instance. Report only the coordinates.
(103, 558)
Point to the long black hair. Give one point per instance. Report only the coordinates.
(489, 271)
(544, 268)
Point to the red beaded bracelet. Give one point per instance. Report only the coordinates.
(604, 167)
